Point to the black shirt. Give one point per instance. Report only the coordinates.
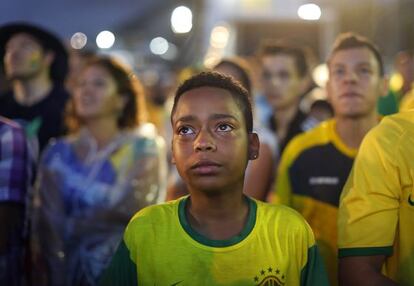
(295, 127)
(44, 119)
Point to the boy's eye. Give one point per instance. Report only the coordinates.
(364, 70)
(338, 71)
(224, 128)
(185, 130)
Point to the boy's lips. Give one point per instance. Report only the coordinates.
(205, 167)
(351, 94)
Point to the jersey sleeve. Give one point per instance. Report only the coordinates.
(368, 212)
(313, 271)
(121, 271)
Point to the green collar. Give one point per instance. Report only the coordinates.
(251, 221)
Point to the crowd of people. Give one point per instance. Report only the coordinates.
(255, 181)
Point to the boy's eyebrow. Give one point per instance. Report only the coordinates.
(222, 116)
(368, 63)
(187, 118)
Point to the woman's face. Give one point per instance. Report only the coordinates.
(96, 95)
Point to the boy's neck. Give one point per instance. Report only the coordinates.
(353, 130)
(217, 217)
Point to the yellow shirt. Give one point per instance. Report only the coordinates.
(407, 102)
(276, 247)
(376, 214)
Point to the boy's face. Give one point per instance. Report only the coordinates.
(281, 82)
(210, 143)
(355, 83)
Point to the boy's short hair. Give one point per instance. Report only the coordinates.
(218, 80)
(351, 40)
(274, 48)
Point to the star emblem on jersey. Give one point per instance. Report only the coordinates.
(269, 276)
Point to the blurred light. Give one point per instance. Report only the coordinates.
(219, 37)
(396, 82)
(309, 12)
(212, 58)
(78, 40)
(181, 20)
(159, 46)
(124, 56)
(171, 53)
(105, 39)
(320, 75)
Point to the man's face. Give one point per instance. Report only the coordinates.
(355, 83)
(24, 57)
(281, 82)
(210, 143)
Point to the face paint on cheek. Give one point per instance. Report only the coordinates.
(34, 60)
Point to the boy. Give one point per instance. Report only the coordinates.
(215, 236)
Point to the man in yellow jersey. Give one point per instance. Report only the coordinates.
(376, 213)
(216, 235)
(315, 165)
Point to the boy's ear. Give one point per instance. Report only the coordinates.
(254, 146)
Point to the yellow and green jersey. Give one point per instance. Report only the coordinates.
(312, 172)
(276, 247)
(376, 213)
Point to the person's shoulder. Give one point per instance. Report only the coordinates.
(8, 124)
(57, 146)
(391, 129)
(155, 215)
(12, 135)
(402, 121)
(145, 138)
(285, 217)
(319, 135)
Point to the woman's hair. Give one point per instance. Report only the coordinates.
(127, 85)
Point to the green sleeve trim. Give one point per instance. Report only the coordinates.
(251, 221)
(314, 272)
(122, 271)
(365, 251)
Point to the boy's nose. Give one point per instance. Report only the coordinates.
(204, 142)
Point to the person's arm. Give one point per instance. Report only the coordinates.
(14, 184)
(259, 175)
(363, 270)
